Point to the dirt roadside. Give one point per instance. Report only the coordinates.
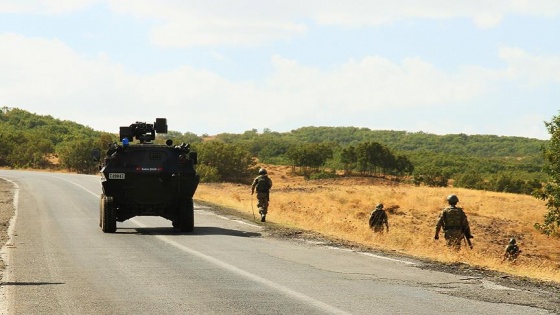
(7, 211)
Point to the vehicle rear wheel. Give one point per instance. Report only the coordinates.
(108, 215)
(186, 215)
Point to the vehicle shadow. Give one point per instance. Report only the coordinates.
(198, 230)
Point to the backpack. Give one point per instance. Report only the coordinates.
(513, 249)
(376, 218)
(454, 218)
(263, 184)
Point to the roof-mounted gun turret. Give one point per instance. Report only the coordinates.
(142, 131)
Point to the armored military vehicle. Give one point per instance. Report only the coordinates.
(147, 179)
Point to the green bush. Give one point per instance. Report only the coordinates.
(322, 175)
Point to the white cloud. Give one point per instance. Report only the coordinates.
(546, 8)
(250, 23)
(531, 126)
(44, 6)
(193, 31)
(47, 77)
(375, 82)
(533, 70)
(245, 22)
(370, 13)
(100, 93)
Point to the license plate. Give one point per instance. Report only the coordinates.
(116, 175)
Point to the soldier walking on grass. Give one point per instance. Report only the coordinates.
(454, 223)
(378, 219)
(262, 185)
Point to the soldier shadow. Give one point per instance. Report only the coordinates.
(198, 230)
(17, 283)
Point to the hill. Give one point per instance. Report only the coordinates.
(339, 209)
(487, 162)
(35, 141)
(512, 164)
(487, 146)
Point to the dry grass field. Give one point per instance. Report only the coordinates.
(340, 208)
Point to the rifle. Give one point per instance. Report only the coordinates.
(253, 209)
(468, 240)
(466, 230)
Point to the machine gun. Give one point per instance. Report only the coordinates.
(142, 131)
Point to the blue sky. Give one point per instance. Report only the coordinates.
(437, 66)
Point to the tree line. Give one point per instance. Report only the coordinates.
(510, 164)
(485, 162)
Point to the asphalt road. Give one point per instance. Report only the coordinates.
(59, 262)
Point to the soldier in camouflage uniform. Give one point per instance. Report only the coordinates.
(378, 219)
(454, 223)
(262, 185)
(512, 251)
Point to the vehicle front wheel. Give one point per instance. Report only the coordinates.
(108, 215)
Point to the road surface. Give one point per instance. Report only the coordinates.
(59, 262)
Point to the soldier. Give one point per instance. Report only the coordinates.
(378, 218)
(512, 251)
(262, 184)
(454, 223)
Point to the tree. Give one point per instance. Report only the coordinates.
(178, 138)
(471, 179)
(403, 165)
(371, 156)
(223, 162)
(76, 156)
(310, 156)
(431, 176)
(551, 190)
(29, 150)
(348, 158)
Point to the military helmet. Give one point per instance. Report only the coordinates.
(379, 206)
(262, 171)
(452, 199)
(512, 240)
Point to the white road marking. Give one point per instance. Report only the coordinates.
(76, 184)
(299, 296)
(287, 291)
(388, 258)
(228, 219)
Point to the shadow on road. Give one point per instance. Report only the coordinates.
(28, 283)
(198, 230)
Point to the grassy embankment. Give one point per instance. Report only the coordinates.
(340, 208)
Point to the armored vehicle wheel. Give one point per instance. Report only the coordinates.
(186, 215)
(108, 215)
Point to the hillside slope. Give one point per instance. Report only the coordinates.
(340, 208)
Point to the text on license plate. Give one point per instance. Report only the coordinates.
(116, 175)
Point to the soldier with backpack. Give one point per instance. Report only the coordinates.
(378, 219)
(262, 185)
(512, 251)
(454, 223)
